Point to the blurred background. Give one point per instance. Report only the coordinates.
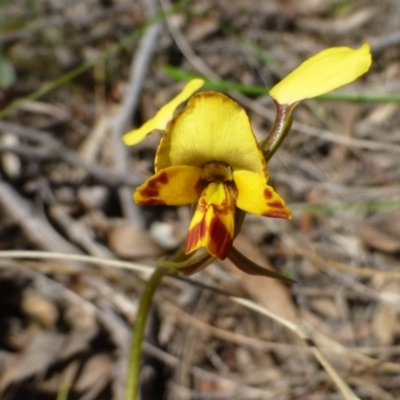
(74, 77)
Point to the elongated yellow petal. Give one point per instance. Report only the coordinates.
(326, 71)
(212, 225)
(172, 186)
(164, 115)
(212, 127)
(255, 196)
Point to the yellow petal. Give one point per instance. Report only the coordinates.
(212, 225)
(164, 115)
(326, 71)
(172, 186)
(255, 196)
(212, 127)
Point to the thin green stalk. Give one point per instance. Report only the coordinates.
(135, 354)
(279, 130)
(63, 390)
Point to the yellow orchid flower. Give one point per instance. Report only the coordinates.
(209, 156)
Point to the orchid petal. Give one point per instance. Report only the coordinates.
(212, 127)
(326, 71)
(253, 195)
(212, 225)
(164, 115)
(171, 186)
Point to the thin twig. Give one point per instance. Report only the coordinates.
(37, 229)
(44, 255)
(138, 71)
(53, 148)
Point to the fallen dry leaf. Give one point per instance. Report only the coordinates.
(267, 292)
(379, 240)
(129, 241)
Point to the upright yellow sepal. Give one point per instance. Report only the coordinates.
(326, 71)
(164, 115)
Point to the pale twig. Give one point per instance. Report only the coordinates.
(334, 137)
(189, 346)
(78, 232)
(47, 22)
(37, 229)
(138, 71)
(384, 43)
(203, 68)
(54, 149)
(302, 247)
(44, 255)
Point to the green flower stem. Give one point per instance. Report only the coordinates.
(279, 130)
(135, 353)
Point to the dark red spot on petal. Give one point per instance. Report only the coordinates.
(276, 214)
(233, 189)
(163, 178)
(150, 192)
(200, 186)
(275, 204)
(220, 239)
(194, 236)
(152, 188)
(268, 194)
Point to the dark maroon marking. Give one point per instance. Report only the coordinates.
(200, 186)
(150, 192)
(276, 214)
(232, 188)
(275, 204)
(163, 178)
(221, 239)
(152, 187)
(195, 234)
(268, 194)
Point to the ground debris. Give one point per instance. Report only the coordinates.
(66, 182)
